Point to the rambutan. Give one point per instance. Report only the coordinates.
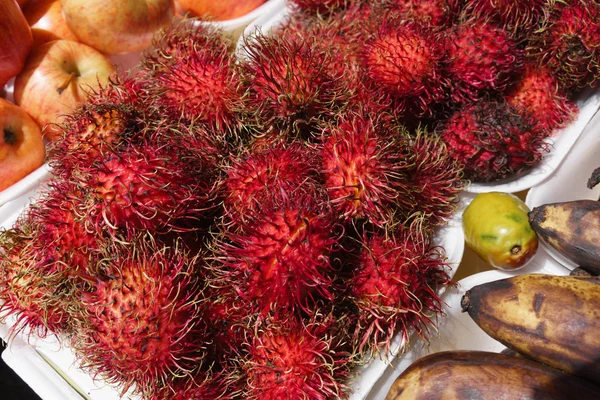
(323, 7)
(434, 176)
(514, 15)
(137, 325)
(402, 60)
(394, 286)
(192, 75)
(568, 44)
(492, 141)
(538, 98)
(267, 176)
(205, 385)
(279, 259)
(432, 13)
(293, 359)
(363, 169)
(482, 58)
(293, 84)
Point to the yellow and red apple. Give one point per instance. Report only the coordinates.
(219, 10)
(15, 40)
(117, 26)
(22, 149)
(56, 78)
(47, 22)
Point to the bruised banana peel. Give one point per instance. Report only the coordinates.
(465, 375)
(551, 319)
(572, 228)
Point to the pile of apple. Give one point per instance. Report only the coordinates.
(54, 51)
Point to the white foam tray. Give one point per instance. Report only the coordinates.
(569, 181)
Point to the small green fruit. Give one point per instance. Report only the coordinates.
(497, 229)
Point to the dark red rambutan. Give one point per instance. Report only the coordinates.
(363, 169)
(522, 16)
(402, 60)
(431, 13)
(267, 175)
(293, 84)
(568, 44)
(482, 58)
(279, 259)
(144, 186)
(192, 75)
(122, 89)
(30, 290)
(203, 386)
(293, 359)
(323, 7)
(394, 286)
(434, 177)
(89, 132)
(536, 96)
(492, 141)
(138, 323)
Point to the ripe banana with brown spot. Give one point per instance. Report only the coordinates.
(551, 319)
(470, 375)
(572, 228)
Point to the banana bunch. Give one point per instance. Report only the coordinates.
(465, 375)
(551, 322)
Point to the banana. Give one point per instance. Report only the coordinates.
(573, 229)
(551, 319)
(465, 375)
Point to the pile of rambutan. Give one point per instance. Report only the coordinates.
(256, 224)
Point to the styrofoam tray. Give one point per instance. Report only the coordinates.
(568, 182)
(456, 330)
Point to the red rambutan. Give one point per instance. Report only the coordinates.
(402, 60)
(394, 286)
(492, 141)
(320, 6)
(363, 169)
(279, 260)
(538, 98)
(568, 44)
(482, 57)
(519, 15)
(290, 359)
(137, 325)
(432, 13)
(268, 175)
(192, 75)
(293, 83)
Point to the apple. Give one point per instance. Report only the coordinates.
(117, 26)
(56, 78)
(47, 22)
(15, 40)
(219, 10)
(22, 149)
(21, 3)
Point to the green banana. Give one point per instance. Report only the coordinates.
(466, 375)
(573, 229)
(551, 319)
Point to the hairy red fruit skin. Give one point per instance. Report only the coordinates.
(492, 141)
(433, 13)
(280, 258)
(137, 324)
(394, 286)
(363, 169)
(522, 16)
(267, 175)
(403, 60)
(321, 6)
(482, 58)
(292, 83)
(537, 97)
(192, 76)
(293, 359)
(568, 43)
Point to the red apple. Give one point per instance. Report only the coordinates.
(47, 22)
(21, 146)
(15, 40)
(56, 78)
(219, 10)
(21, 3)
(117, 26)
